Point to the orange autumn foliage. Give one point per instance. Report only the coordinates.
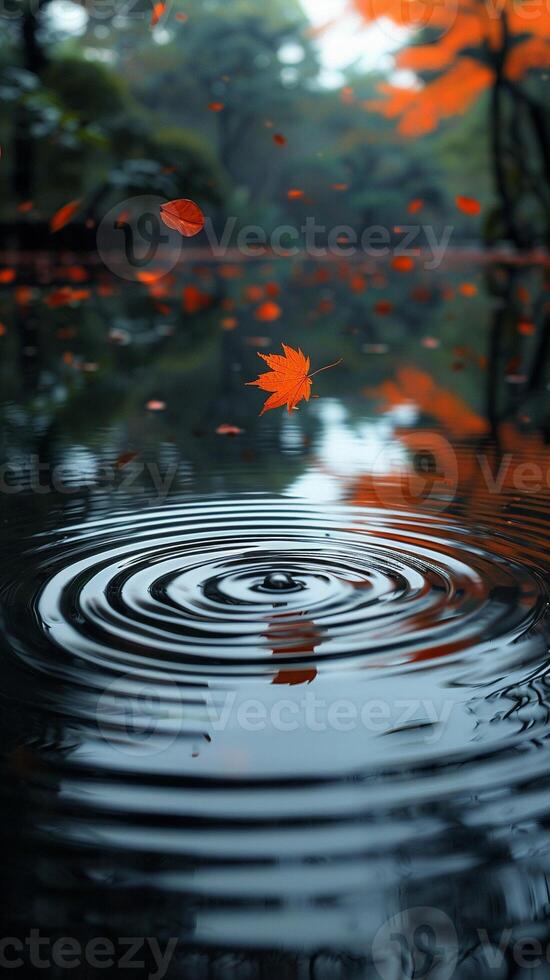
(288, 378)
(415, 387)
(468, 36)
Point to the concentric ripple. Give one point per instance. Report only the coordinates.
(221, 586)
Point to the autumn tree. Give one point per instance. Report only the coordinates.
(460, 50)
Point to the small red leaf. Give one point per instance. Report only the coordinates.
(159, 10)
(468, 205)
(64, 215)
(228, 430)
(183, 216)
(268, 312)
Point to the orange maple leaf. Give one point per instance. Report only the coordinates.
(289, 378)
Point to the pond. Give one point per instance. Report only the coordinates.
(275, 688)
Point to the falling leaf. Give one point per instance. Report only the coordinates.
(340, 187)
(254, 293)
(25, 207)
(268, 311)
(157, 13)
(279, 139)
(228, 430)
(526, 328)
(383, 307)
(7, 276)
(229, 323)
(194, 300)
(288, 378)
(182, 17)
(402, 263)
(430, 343)
(183, 216)
(64, 215)
(468, 289)
(2, 330)
(294, 194)
(216, 106)
(156, 406)
(415, 206)
(148, 277)
(468, 205)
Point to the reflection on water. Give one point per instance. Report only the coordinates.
(279, 694)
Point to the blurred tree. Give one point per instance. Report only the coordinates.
(464, 51)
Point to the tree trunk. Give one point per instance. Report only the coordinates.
(33, 60)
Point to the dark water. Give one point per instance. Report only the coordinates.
(280, 696)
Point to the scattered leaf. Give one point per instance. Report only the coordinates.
(288, 378)
(216, 106)
(64, 215)
(415, 206)
(268, 312)
(184, 216)
(228, 430)
(402, 263)
(158, 12)
(468, 205)
(279, 139)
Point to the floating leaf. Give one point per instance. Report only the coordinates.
(288, 378)
(64, 215)
(183, 216)
(402, 263)
(268, 312)
(225, 429)
(158, 12)
(468, 205)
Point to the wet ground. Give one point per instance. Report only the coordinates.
(275, 689)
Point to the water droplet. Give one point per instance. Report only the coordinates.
(278, 582)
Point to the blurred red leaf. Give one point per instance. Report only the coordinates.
(468, 205)
(288, 379)
(268, 312)
(184, 216)
(64, 215)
